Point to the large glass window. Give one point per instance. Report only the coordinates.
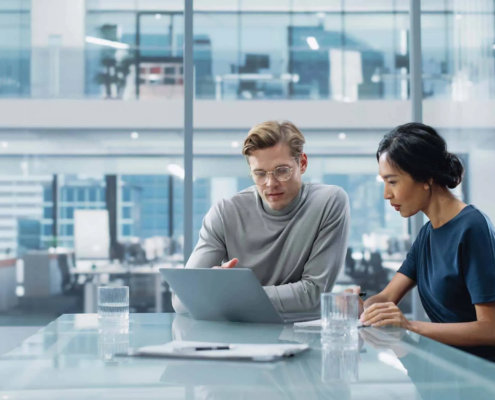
(458, 83)
(338, 69)
(15, 41)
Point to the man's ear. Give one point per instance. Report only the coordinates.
(303, 162)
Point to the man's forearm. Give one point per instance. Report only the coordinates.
(477, 333)
(294, 297)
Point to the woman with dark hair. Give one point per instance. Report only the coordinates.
(452, 261)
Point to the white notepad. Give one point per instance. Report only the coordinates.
(314, 324)
(308, 324)
(252, 352)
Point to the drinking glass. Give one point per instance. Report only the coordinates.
(113, 309)
(339, 316)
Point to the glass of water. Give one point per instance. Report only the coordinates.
(339, 316)
(113, 308)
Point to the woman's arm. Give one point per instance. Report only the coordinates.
(394, 292)
(477, 333)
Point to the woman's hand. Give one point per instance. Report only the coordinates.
(357, 290)
(385, 314)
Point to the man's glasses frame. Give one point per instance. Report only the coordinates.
(262, 180)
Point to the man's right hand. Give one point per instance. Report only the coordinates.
(357, 290)
(231, 264)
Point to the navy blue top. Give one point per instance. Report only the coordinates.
(454, 268)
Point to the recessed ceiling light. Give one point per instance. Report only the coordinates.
(135, 135)
(312, 43)
(5, 145)
(158, 16)
(342, 136)
(235, 144)
(176, 170)
(458, 17)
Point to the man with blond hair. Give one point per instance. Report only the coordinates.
(292, 235)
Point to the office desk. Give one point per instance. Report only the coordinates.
(106, 268)
(8, 283)
(69, 359)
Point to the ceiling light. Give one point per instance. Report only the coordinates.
(379, 178)
(342, 136)
(134, 135)
(5, 145)
(108, 43)
(176, 170)
(158, 16)
(458, 17)
(235, 144)
(313, 43)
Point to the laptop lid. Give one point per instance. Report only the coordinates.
(222, 294)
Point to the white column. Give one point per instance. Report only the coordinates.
(481, 186)
(474, 71)
(57, 56)
(222, 188)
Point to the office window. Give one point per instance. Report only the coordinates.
(126, 230)
(126, 212)
(68, 194)
(102, 194)
(126, 194)
(15, 53)
(92, 194)
(47, 230)
(48, 212)
(81, 194)
(47, 193)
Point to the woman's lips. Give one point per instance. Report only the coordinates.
(397, 208)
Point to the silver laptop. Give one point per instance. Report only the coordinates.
(227, 295)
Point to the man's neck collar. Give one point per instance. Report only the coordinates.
(286, 210)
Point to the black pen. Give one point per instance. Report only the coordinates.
(362, 294)
(202, 348)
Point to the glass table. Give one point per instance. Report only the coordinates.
(71, 359)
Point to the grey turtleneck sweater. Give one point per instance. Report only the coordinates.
(296, 253)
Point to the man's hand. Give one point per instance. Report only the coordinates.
(384, 314)
(229, 264)
(357, 290)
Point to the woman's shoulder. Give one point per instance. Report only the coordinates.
(475, 220)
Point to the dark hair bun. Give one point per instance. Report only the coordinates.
(454, 171)
(420, 151)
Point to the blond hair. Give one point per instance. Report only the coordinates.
(270, 133)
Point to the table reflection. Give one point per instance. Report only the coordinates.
(437, 372)
(112, 339)
(339, 364)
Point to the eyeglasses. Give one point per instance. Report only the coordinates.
(282, 174)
